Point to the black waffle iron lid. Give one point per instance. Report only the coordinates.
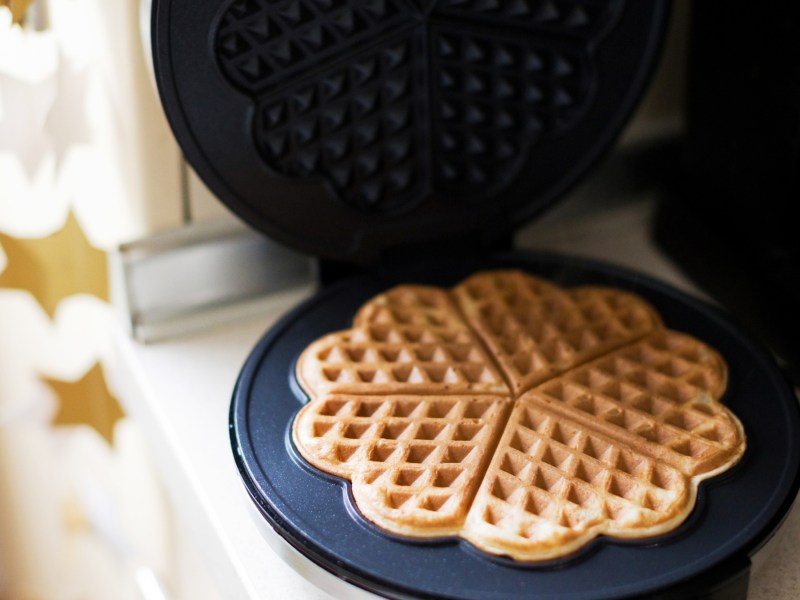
(346, 127)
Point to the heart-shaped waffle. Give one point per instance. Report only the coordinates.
(526, 418)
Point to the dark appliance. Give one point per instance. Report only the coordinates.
(404, 141)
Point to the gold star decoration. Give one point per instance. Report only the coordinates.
(17, 8)
(87, 402)
(56, 266)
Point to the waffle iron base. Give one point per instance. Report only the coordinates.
(735, 515)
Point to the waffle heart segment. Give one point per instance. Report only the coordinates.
(415, 462)
(409, 340)
(536, 330)
(423, 406)
(554, 486)
(659, 395)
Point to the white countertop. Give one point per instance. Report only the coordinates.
(179, 391)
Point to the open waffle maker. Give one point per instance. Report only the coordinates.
(403, 141)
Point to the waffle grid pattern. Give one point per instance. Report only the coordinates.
(554, 484)
(357, 125)
(411, 340)
(614, 439)
(572, 465)
(262, 42)
(660, 391)
(422, 456)
(536, 333)
(495, 99)
(568, 17)
(479, 84)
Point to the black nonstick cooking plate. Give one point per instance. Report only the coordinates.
(348, 127)
(735, 513)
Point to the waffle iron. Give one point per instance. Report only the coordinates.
(404, 141)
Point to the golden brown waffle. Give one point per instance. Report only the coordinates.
(658, 394)
(610, 430)
(553, 486)
(537, 330)
(410, 339)
(415, 461)
(617, 446)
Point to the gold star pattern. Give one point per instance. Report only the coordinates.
(17, 8)
(87, 402)
(55, 267)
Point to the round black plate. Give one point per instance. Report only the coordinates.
(345, 128)
(315, 513)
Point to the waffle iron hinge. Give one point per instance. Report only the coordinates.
(466, 247)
